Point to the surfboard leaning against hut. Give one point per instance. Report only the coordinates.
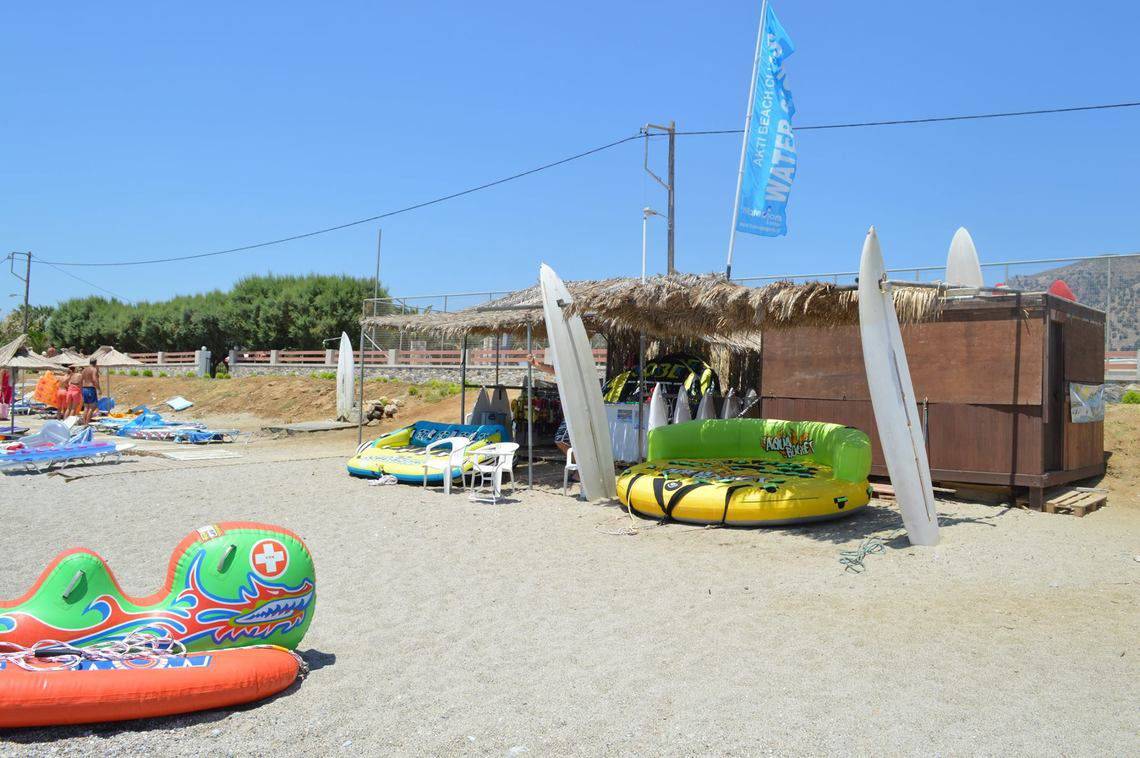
(892, 398)
(578, 389)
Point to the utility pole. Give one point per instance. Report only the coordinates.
(376, 287)
(26, 278)
(670, 185)
(28, 288)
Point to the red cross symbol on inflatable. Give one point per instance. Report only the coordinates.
(269, 558)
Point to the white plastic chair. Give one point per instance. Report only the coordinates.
(454, 460)
(490, 462)
(570, 466)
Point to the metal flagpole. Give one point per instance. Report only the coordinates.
(529, 410)
(360, 415)
(744, 142)
(463, 381)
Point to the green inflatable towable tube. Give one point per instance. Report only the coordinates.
(227, 585)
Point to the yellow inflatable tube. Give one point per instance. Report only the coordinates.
(402, 452)
(750, 472)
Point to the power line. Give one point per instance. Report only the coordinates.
(81, 279)
(932, 119)
(577, 156)
(358, 222)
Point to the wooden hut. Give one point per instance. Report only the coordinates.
(991, 371)
(991, 376)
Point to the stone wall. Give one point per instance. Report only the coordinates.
(512, 375)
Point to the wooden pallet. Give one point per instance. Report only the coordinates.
(1076, 501)
(886, 491)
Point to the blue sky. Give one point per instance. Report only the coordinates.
(137, 131)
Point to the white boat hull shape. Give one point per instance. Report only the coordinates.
(731, 405)
(963, 269)
(579, 390)
(482, 405)
(345, 380)
(892, 397)
(707, 408)
(682, 413)
(658, 415)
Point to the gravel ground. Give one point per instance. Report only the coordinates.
(540, 626)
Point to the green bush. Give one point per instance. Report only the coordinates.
(133, 372)
(162, 374)
(190, 374)
(1131, 397)
(324, 375)
(147, 372)
(222, 374)
(434, 390)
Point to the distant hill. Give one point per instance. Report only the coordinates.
(1088, 282)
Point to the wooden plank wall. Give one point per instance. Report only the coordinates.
(992, 363)
(1084, 363)
(987, 438)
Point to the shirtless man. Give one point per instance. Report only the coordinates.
(89, 382)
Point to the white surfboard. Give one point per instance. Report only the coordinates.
(707, 408)
(345, 380)
(962, 266)
(500, 403)
(731, 405)
(658, 408)
(482, 405)
(892, 398)
(658, 414)
(681, 411)
(579, 390)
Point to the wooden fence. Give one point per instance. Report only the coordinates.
(1117, 365)
(395, 357)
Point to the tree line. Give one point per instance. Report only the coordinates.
(263, 312)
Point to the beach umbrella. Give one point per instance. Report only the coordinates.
(15, 356)
(107, 357)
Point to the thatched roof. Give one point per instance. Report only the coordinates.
(108, 357)
(68, 357)
(16, 355)
(699, 306)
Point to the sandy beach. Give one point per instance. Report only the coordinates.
(543, 626)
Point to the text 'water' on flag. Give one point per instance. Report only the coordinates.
(770, 151)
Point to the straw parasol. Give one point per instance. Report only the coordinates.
(16, 355)
(68, 357)
(108, 357)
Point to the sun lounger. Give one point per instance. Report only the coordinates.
(55, 446)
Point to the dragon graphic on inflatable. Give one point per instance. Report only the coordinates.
(211, 599)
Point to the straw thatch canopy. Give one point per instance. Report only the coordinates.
(16, 355)
(108, 357)
(68, 357)
(703, 307)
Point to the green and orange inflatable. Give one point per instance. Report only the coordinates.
(228, 585)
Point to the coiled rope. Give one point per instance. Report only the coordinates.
(144, 644)
(852, 560)
(138, 645)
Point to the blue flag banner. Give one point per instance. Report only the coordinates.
(770, 153)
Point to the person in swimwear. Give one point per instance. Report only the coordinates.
(61, 396)
(89, 386)
(74, 391)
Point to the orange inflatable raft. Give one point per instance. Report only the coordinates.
(39, 691)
